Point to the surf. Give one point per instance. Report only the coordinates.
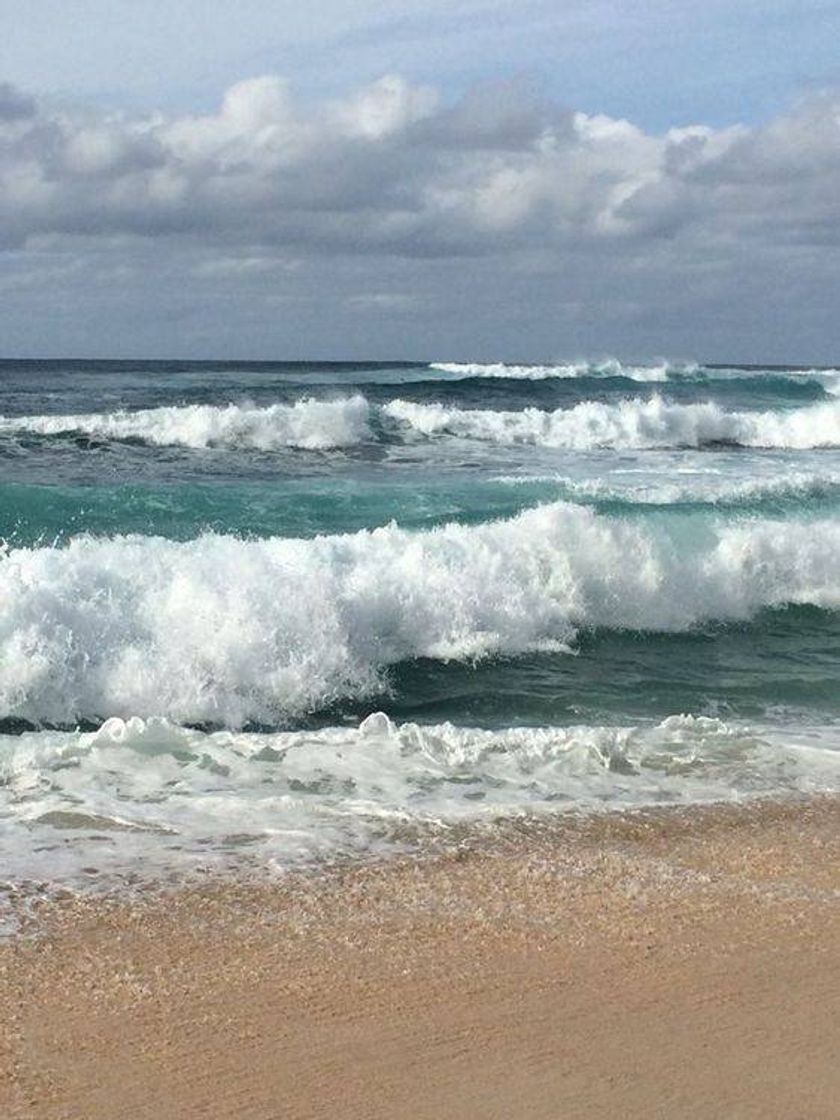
(632, 424)
(308, 424)
(227, 631)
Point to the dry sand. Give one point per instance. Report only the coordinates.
(665, 964)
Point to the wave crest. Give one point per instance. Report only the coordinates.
(609, 368)
(634, 424)
(226, 631)
(313, 425)
(308, 424)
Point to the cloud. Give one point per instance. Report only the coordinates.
(14, 105)
(391, 170)
(317, 201)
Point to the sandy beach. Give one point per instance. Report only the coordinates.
(667, 963)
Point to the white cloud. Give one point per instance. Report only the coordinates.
(390, 170)
(392, 173)
(387, 107)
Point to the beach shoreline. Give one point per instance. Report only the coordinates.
(674, 962)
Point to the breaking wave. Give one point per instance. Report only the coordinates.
(308, 424)
(609, 368)
(226, 631)
(635, 423)
(829, 379)
(313, 425)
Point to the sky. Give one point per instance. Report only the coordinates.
(451, 179)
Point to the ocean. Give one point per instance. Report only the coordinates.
(260, 614)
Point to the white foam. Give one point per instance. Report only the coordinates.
(147, 795)
(312, 424)
(308, 424)
(635, 424)
(608, 368)
(611, 367)
(225, 630)
(828, 378)
(690, 486)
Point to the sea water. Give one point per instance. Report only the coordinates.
(268, 612)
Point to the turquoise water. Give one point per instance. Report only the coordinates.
(307, 600)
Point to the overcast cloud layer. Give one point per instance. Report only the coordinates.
(393, 222)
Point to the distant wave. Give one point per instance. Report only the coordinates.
(636, 423)
(308, 424)
(609, 368)
(829, 379)
(225, 630)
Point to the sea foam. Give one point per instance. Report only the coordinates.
(609, 368)
(795, 489)
(631, 424)
(308, 424)
(228, 631)
(158, 796)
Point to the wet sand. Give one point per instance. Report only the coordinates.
(669, 963)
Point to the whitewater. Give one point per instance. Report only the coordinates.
(629, 424)
(316, 425)
(308, 424)
(275, 612)
(230, 631)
